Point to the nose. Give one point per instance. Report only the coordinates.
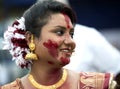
(69, 41)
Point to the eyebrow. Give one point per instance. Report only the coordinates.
(62, 27)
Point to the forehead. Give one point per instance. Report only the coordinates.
(59, 19)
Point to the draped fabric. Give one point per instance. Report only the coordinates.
(13, 85)
(85, 81)
(95, 80)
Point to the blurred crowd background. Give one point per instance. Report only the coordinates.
(104, 15)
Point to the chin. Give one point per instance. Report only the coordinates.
(65, 61)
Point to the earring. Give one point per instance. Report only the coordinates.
(31, 55)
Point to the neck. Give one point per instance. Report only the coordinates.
(51, 86)
(46, 75)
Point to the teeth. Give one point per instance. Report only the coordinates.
(65, 50)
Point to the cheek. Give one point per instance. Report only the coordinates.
(52, 48)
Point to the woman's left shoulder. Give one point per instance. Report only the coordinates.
(97, 80)
(73, 73)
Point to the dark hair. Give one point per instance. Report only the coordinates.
(38, 14)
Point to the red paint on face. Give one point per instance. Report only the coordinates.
(50, 62)
(52, 48)
(65, 60)
(67, 19)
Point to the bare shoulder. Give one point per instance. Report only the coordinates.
(73, 74)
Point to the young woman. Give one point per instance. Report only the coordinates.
(42, 40)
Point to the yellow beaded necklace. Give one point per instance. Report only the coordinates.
(54, 86)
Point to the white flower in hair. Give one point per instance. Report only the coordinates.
(21, 25)
(7, 36)
(15, 42)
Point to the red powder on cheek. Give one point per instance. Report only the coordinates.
(52, 47)
(65, 60)
(67, 19)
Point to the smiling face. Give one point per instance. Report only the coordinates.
(55, 44)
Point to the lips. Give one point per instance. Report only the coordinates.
(67, 51)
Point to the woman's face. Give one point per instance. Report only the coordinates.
(55, 44)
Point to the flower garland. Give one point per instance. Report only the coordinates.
(14, 40)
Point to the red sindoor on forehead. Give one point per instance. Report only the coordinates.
(67, 19)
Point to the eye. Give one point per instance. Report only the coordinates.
(72, 33)
(60, 32)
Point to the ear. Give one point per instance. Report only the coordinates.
(28, 37)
